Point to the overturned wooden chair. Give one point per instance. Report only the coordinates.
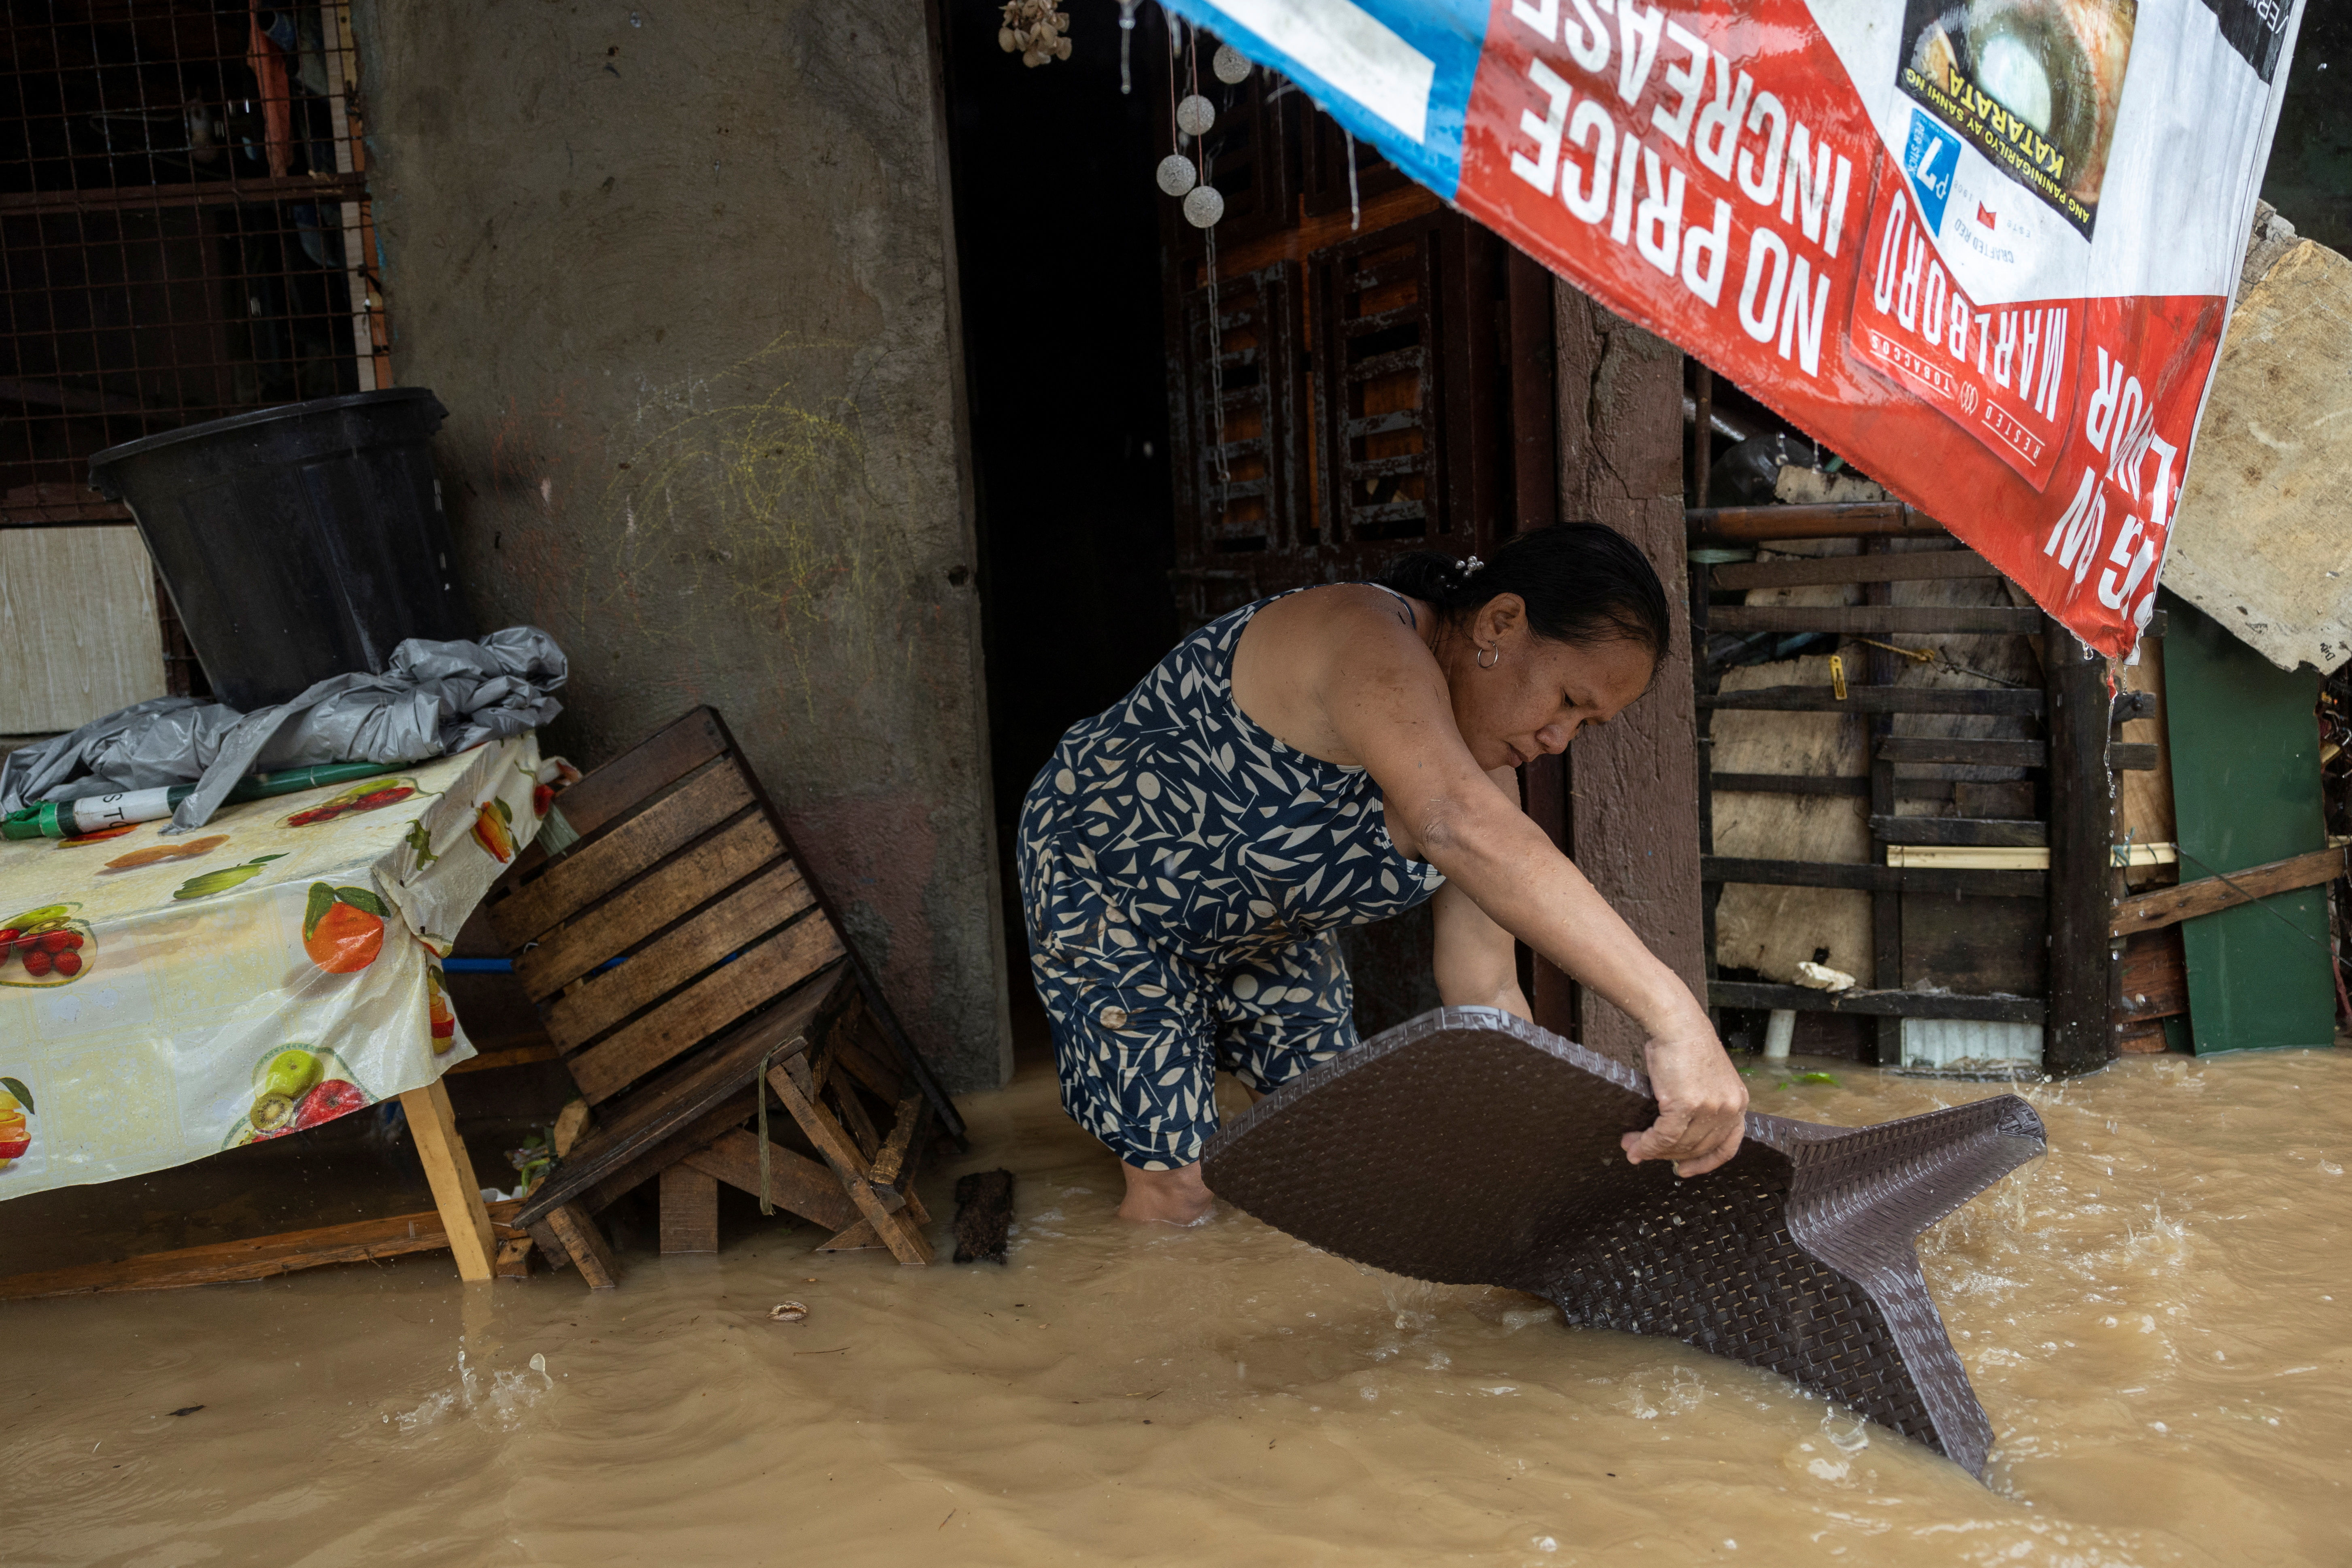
(685, 964)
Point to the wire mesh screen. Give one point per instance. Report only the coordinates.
(184, 231)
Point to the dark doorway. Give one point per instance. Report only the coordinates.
(1058, 238)
(1163, 431)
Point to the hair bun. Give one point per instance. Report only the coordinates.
(1581, 581)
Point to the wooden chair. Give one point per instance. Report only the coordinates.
(678, 951)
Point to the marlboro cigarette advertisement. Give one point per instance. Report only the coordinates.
(2031, 84)
(1985, 249)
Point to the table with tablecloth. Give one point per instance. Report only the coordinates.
(164, 998)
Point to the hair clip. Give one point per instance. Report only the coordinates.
(1473, 566)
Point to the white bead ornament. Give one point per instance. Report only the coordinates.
(1203, 207)
(1177, 174)
(1195, 115)
(1232, 65)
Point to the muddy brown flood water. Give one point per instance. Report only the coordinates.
(2154, 1315)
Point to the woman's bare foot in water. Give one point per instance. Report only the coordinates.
(1171, 1197)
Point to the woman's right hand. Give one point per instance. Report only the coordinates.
(1702, 1102)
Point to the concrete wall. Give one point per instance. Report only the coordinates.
(682, 276)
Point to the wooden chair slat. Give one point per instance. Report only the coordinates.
(913, 1113)
(662, 1107)
(650, 766)
(857, 1057)
(592, 870)
(618, 924)
(696, 1134)
(854, 1117)
(742, 918)
(795, 1182)
(710, 1003)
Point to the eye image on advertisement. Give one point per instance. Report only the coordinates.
(2033, 84)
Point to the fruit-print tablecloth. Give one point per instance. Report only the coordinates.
(162, 998)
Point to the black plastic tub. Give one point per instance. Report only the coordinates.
(298, 543)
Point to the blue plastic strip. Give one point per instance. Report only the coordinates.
(478, 966)
(1396, 73)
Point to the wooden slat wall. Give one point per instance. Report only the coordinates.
(1955, 952)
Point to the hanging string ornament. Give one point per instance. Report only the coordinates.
(1126, 35)
(1232, 65)
(1034, 29)
(1203, 207)
(1178, 174)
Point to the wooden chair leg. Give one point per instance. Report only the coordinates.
(859, 1237)
(434, 1125)
(584, 1240)
(690, 1210)
(898, 1231)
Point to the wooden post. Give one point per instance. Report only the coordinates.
(1702, 435)
(1545, 783)
(2085, 960)
(1885, 906)
(434, 1125)
(1633, 783)
(1534, 415)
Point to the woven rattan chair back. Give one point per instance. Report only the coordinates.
(1468, 1146)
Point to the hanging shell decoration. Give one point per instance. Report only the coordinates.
(1034, 29)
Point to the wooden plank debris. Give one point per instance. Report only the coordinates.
(655, 904)
(258, 1257)
(1878, 1004)
(2211, 895)
(1879, 699)
(1874, 620)
(1911, 567)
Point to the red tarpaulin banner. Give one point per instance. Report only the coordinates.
(1983, 248)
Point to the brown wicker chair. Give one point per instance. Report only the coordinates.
(1468, 1146)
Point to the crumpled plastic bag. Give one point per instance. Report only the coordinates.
(437, 697)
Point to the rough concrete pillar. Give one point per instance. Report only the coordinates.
(1632, 816)
(683, 278)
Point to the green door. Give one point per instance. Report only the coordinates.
(2245, 786)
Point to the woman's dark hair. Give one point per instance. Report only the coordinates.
(1581, 582)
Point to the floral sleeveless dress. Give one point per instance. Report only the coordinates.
(1183, 875)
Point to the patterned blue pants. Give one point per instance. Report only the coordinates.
(1138, 1037)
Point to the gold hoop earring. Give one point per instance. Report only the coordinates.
(1494, 648)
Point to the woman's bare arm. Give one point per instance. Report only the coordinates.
(1477, 962)
(1387, 699)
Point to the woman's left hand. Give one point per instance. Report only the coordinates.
(1702, 1103)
